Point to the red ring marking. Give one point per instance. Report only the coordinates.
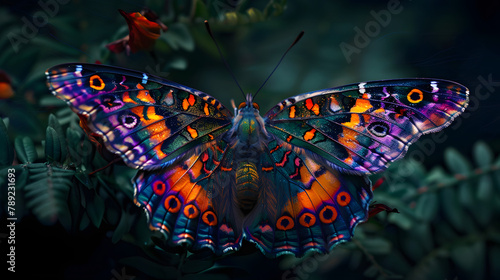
(159, 187)
(206, 220)
(303, 221)
(177, 206)
(325, 219)
(191, 211)
(288, 226)
(345, 201)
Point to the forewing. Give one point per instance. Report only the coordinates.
(360, 128)
(147, 120)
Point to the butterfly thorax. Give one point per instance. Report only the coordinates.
(248, 138)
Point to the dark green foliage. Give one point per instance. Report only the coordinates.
(449, 208)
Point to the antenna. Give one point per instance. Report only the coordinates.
(279, 62)
(223, 59)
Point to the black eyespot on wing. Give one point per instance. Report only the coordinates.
(379, 129)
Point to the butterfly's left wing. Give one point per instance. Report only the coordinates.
(308, 199)
(304, 204)
(361, 128)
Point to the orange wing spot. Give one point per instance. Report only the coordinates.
(144, 95)
(267, 169)
(150, 115)
(307, 220)
(284, 223)
(343, 198)
(315, 109)
(192, 131)
(361, 106)
(172, 204)
(222, 168)
(309, 104)
(289, 138)
(185, 104)
(191, 211)
(292, 112)
(127, 99)
(205, 109)
(191, 100)
(97, 86)
(349, 160)
(349, 138)
(211, 136)
(328, 214)
(415, 96)
(209, 218)
(159, 153)
(379, 110)
(309, 135)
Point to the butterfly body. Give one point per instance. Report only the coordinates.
(248, 138)
(290, 181)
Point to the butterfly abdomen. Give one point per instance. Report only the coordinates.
(247, 185)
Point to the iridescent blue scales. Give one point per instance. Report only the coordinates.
(290, 182)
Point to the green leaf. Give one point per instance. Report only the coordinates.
(7, 155)
(85, 222)
(470, 259)
(482, 155)
(54, 123)
(178, 37)
(452, 209)
(427, 206)
(496, 174)
(25, 149)
(465, 194)
(52, 145)
(201, 10)
(376, 245)
(457, 163)
(74, 203)
(123, 227)
(95, 209)
(47, 197)
(485, 188)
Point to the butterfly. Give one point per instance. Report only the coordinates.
(290, 181)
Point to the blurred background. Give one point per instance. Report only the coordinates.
(75, 226)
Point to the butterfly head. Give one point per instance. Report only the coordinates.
(247, 123)
(248, 106)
